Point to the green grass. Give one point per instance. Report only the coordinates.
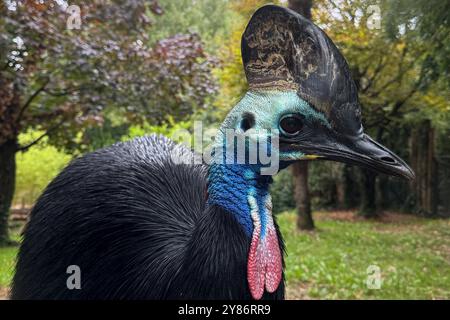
(331, 263)
(7, 258)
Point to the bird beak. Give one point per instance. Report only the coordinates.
(362, 151)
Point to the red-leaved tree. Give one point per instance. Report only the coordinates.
(63, 67)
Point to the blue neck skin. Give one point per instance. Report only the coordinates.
(230, 185)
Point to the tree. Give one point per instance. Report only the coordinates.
(61, 80)
(427, 22)
(392, 87)
(301, 196)
(300, 169)
(211, 19)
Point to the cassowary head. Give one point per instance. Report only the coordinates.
(300, 85)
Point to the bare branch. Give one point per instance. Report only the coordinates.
(28, 146)
(400, 103)
(62, 92)
(31, 98)
(398, 78)
(376, 72)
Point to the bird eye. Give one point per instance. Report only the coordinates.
(248, 121)
(291, 124)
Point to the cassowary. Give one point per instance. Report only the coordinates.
(142, 220)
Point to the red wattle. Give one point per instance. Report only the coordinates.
(264, 267)
(273, 261)
(255, 267)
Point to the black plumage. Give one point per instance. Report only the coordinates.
(136, 223)
(136, 217)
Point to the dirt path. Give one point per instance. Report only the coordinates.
(297, 291)
(3, 293)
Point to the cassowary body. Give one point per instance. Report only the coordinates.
(141, 220)
(138, 225)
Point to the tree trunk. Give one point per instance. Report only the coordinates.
(424, 163)
(300, 169)
(340, 181)
(340, 193)
(351, 192)
(301, 195)
(369, 198)
(368, 207)
(7, 185)
(381, 194)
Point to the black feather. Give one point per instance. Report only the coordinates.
(134, 218)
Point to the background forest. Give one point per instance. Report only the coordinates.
(136, 67)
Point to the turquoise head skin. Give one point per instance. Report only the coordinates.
(257, 115)
(269, 106)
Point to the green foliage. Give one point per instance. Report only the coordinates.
(40, 164)
(393, 87)
(398, 83)
(97, 137)
(211, 19)
(36, 168)
(282, 192)
(322, 177)
(109, 63)
(424, 21)
(322, 180)
(176, 131)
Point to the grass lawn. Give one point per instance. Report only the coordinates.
(7, 256)
(412, 254)
(7, 260)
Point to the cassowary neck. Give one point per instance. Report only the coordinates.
(241, 191)
(245, 194)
